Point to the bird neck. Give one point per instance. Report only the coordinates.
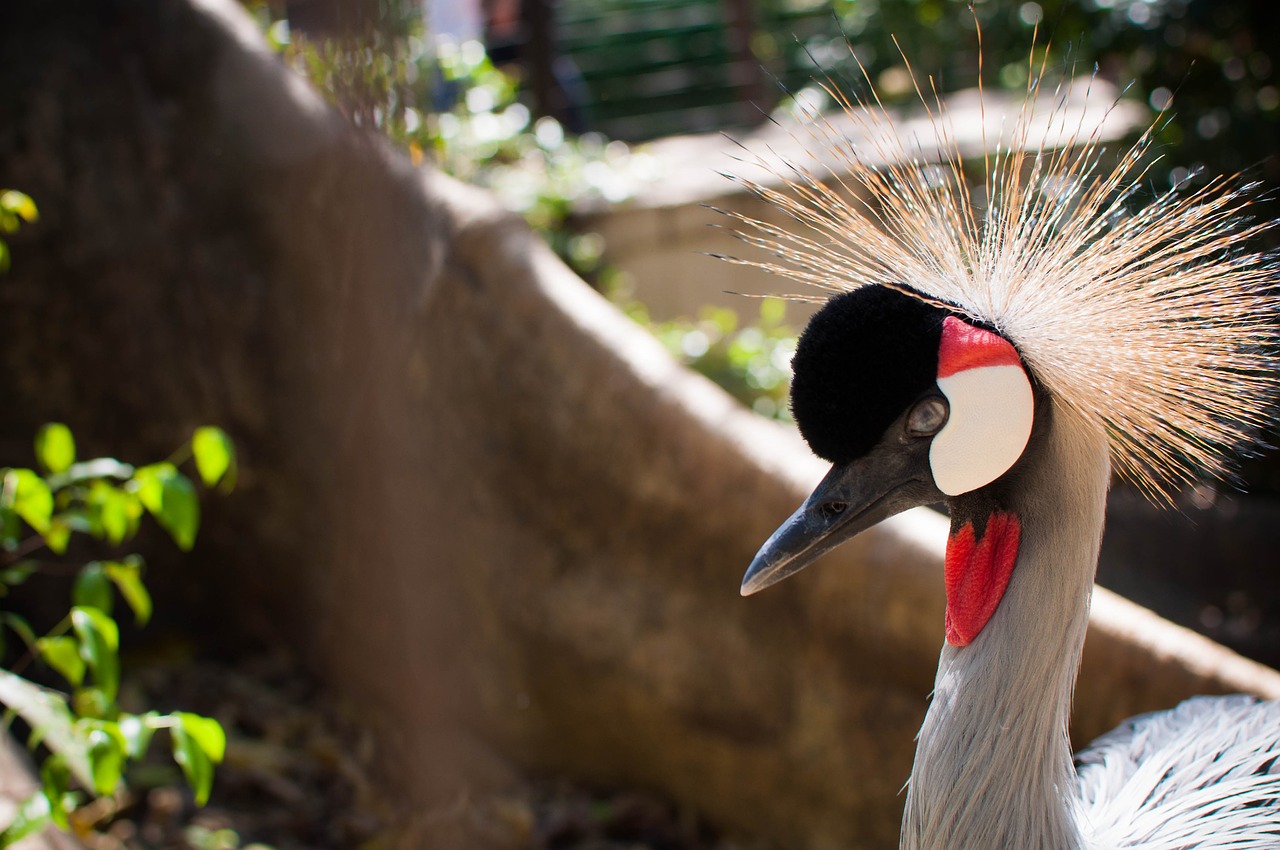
(993, 760)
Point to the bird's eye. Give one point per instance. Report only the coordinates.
(928, 416)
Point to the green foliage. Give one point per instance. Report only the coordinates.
(55, 447)
(171, 498)
(753, 362)
(15, 208)
(88, 740)
(488, 137)
(1211, 63)
(214, 455)
(447, 104)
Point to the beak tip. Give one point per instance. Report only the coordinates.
(758, 577)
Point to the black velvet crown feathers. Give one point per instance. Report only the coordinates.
(862, 359)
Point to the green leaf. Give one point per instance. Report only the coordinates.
(10, 527)
(137, 731)
(21, 627)
(118, 510)
(57, 535)
(92, 622)
(127, 576)
(32, 816)
(4, 257)
(19, 204)
(55, 447)
(92, 588)
(207, 733)
(171, 498)
(148, 483)
(113, 513)
(29, 497)
(195, 763)
(46, 712)
(214, 454)
(92, 702)
(55, 782)
(106, 758)
(99, 640)
(62, 653)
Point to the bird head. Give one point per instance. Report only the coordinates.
(911, 402)
(1062, 286)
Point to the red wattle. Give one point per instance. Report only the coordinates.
(977, 574)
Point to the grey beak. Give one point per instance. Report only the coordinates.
(851, 498)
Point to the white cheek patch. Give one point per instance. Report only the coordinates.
(989, 425)
(992, 409)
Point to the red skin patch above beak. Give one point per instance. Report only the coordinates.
(977, 574)
(965, 346)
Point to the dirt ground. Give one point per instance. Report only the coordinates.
(299, 776)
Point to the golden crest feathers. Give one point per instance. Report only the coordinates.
(1146, 311)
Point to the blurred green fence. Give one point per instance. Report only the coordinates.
(658, 67)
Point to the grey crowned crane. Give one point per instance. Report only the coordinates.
(1001, 350)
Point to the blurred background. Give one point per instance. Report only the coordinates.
(567, 107)
(606, 125)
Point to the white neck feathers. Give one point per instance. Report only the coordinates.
(993, 761)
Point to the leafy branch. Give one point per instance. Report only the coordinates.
(87, 739)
